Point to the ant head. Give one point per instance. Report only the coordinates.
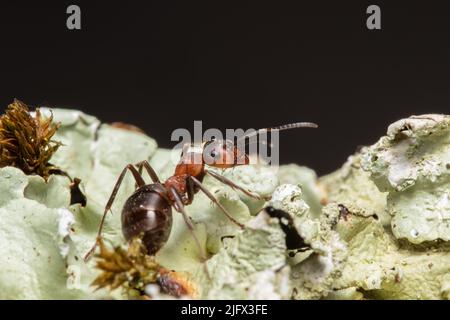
(192, 153)
(227, 154)
(223, 154)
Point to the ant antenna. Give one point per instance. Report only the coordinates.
(280, 128)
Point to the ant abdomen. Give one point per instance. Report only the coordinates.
(147, 214)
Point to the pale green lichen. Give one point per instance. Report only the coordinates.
(350, 293)
(352, 187)
(379, 267)
(289, 198)
(33, 232)
(260, 179)
(96, 154)
(306, 178)
(244, 264)
(77, 132)
(314, 277)
(313, 269)
(349, 250)
(412, 164)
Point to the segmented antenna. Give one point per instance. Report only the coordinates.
(281, 128)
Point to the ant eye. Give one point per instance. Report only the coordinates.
(213, 154)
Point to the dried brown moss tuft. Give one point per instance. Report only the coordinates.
(26, 141)
(131, 269)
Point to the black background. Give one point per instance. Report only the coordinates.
(161, 65)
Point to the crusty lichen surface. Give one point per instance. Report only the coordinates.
(412, 164)
(352, 187)
(377, 228)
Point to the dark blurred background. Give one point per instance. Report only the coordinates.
(160, 65)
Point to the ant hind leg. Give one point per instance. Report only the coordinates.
(139, 182)
(151, 172)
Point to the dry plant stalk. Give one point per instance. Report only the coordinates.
(26, 141)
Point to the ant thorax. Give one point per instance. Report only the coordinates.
(191, 161)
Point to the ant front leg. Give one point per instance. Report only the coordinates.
(179, 206)
(139, 182)
(215, 201)
(233, 185)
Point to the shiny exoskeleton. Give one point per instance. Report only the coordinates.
(147, 213)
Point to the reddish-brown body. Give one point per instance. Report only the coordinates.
(190, 165)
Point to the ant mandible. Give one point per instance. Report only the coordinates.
(147, 213)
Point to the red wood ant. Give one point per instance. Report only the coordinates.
(147, 213)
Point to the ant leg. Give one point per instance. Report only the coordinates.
(233, 185)
(139, 168)
(215, 201)
(180, 208)
(190, 190)
(149, 170)
(139, 181)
